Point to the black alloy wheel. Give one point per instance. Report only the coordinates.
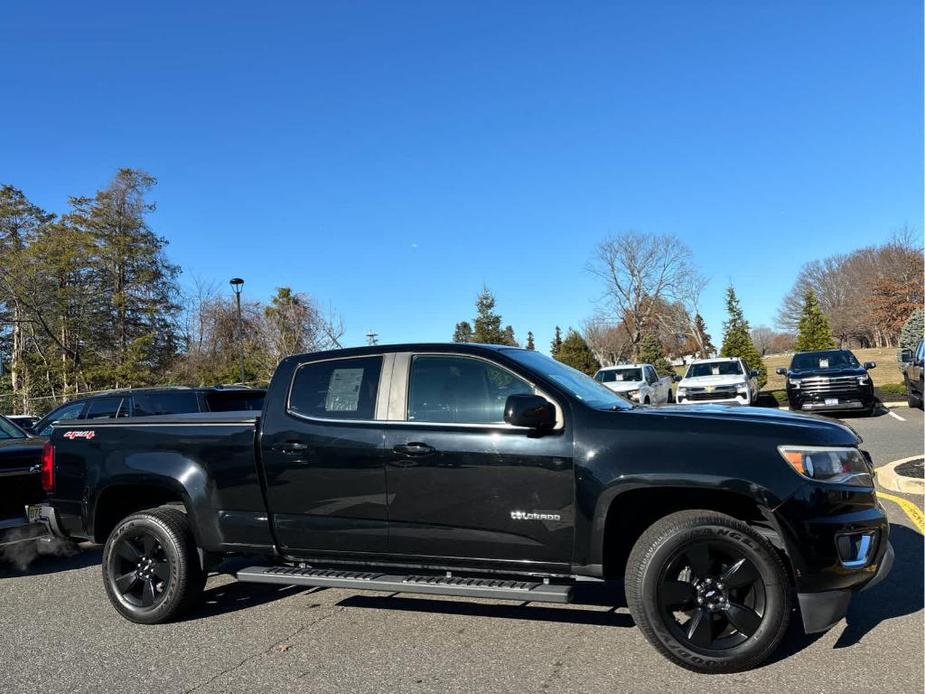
(712, 597)
(708, 591)
(141, 569)
(151, 567)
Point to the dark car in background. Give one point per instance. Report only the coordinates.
(23, 421)
(829, 380)
(143, 402)
(20, 480)
(912, 364)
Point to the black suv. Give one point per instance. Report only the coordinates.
(913, 367)
(829, 380)
(142, 402)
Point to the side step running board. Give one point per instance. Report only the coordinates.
(397, 583)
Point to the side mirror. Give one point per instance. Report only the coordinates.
(870, 365)
(531, 411)
(781, 371)
(905, 356)
(677, 378)
(753, 373)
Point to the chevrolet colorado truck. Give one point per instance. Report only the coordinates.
(490, 472)
(829, 380)
(638, 382)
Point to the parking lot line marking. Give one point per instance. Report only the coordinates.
(895, 416)
(911, 510)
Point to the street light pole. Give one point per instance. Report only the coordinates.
(236, 285)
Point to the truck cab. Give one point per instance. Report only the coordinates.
(637, 382)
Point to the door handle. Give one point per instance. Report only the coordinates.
(291, 447)
(414, 449)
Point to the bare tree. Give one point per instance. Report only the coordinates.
(609, 343)
(641, 274)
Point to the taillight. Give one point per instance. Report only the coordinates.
(48, 468)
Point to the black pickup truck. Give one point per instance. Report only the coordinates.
(490, 472)
(830, 380)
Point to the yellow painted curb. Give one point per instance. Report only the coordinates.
(911, 510)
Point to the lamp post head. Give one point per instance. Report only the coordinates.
(236, 284)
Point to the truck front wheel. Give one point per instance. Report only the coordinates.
(150, 566)
(708, 592)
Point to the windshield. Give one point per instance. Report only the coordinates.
(617, 375)
(8, 430)
(714, 368)
(833, 359)
(570, 380)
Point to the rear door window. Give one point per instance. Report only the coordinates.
(149, 404)
(235, 400)
(336, 389)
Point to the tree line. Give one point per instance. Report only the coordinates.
(650, 310)
(89, 301)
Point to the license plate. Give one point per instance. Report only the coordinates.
(831, 401)
(34, 513)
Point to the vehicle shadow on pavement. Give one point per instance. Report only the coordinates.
(234, 596)
(597, 595)
(901, 593)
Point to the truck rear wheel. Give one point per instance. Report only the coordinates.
(150, 566)
(708, 592)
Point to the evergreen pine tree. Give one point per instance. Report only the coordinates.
(530, 344)
(912, 330)
(814, 330)
(574, 352)
(487, 328)
(650, 352)
(737, 340)
(463, 332)
(556, 343)
(701, 327)
(509, 338)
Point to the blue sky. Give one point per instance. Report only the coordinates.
(390, 158)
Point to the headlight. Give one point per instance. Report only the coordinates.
(633, 394)
(795, 382)
(863, 380)
(742, 388)
(681, 392)
(823, 464)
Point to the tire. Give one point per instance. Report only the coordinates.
(697, 582)
(647, 401)
(670, 396)
(913, 400)
(151, 569)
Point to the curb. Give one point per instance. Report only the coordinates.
(888, 478)
(887, 405)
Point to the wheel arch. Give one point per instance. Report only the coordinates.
(629, 513)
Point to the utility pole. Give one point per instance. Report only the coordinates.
(372, 338)
(237, 284)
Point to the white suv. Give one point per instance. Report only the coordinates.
(724, 380)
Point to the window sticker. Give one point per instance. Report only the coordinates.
(823, 363)
(715, 370)
(344, 390)
(619, 376)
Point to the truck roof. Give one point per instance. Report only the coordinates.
(624, 366)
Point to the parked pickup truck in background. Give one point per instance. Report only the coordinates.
(141, 402)
(638, 382)
(912, 364)
(829, 380)
(721, 380)
(489, 472)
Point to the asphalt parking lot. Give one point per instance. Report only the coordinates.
(60, 634)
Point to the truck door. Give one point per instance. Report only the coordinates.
(461, 482)
(322, 455)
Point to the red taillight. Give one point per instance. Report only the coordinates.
(48, 468)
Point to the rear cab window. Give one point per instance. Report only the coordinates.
(336, 389)
(106, 408)
(235, 400)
